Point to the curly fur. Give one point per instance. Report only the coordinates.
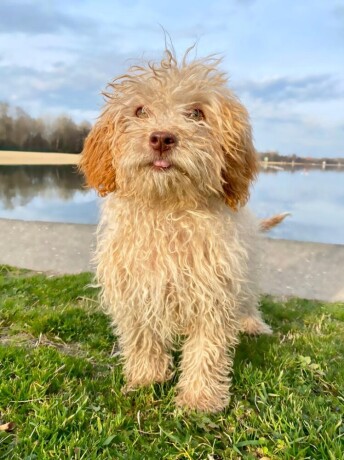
(177, 248)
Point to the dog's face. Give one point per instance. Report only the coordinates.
(172, 132)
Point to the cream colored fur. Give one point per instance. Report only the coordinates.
(177, 251)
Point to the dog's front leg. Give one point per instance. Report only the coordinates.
(145, 355)
(205, 366)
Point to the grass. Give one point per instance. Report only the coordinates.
(61, 386)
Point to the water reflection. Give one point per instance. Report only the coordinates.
(315, 198)
(19, 184)
(51, 193)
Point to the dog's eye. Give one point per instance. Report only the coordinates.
(141, 112)
(195, 114)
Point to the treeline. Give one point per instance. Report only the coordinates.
(276, 157)
(20, 131)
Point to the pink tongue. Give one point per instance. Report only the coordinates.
(162, 163)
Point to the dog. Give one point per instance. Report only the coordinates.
(177, 249)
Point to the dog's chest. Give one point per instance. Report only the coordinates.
(151, 244)
(172, 264)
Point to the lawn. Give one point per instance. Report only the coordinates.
(61, 380)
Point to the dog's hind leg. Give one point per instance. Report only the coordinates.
(253, 324)
(250, 317)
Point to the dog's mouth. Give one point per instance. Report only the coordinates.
(161, 165)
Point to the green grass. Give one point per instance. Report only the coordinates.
(62, 389)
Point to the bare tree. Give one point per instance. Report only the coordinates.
(20, 131)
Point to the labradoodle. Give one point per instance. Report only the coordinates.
(177, 250)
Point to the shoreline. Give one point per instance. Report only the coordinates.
(16, 158)
(12, 158)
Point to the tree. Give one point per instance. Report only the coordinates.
(20, 131)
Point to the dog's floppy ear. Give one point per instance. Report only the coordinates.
(241, 160)
(96, 160)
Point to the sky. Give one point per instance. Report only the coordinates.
(285, 59)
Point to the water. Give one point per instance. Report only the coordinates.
(46, 193)
(315, 199)
(56, 194)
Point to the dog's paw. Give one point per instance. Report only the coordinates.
(157, 372)
(253, 325)
(202, 402)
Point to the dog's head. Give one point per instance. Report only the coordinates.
(172, 132)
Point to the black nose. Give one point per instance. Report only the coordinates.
(162, 141)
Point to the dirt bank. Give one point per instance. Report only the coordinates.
(37, 158)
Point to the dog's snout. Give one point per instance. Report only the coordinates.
(162, 140)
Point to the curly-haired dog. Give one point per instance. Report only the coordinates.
(177, 248)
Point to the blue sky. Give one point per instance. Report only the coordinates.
(285, 58)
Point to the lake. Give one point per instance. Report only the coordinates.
(56, 194)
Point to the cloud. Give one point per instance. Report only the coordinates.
(35, 18)
(292, 130)
(52, 92)
(310, 88)
(73, 88)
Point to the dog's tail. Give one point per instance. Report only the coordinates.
(267, 224)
